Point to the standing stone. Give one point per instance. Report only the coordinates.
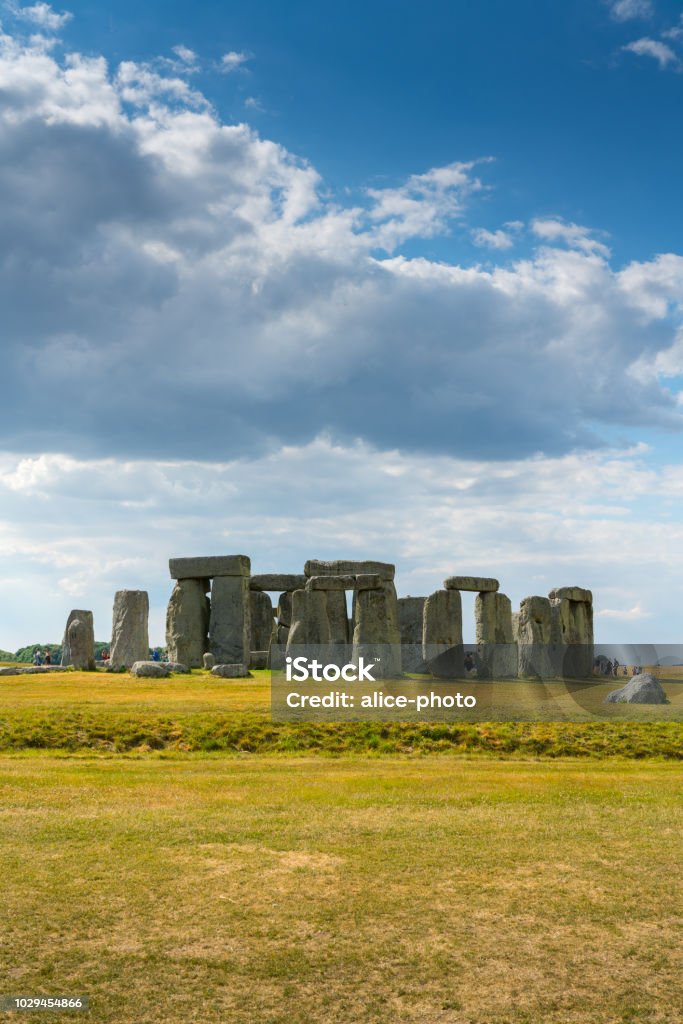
(410, 616)
(337, 616)
(261, 617)
(442, 648)
(572, 631)
(130, 633)
(536, 658)
(310, 623)
(376, 636)
(187, 622)
(208, 661)
(284, 608)
(497, 652)
(78, 648)
(229, 624)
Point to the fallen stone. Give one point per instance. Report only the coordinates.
(208, 661)
(314, 567)
(571, 594)
(479, 584)
(151, 669)
(641, 689)
(175, 666)
(187, 622)
(209, 566)
(238, 671)
(275, 581)
(130, 636)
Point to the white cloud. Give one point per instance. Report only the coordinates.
(625, 10)
(661, 52)
(492, 239)
(253, 103)
(594, 519)
(574, 235)
(41, 14)
(185, 54)
(624, 614)
(232, 61)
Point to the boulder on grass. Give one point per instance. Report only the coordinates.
(175, 666)
(642, 689)
(237, 671)
(151, 669)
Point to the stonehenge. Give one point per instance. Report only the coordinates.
(220, 615)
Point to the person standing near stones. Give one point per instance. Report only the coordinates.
(48, 656)
(37, 657)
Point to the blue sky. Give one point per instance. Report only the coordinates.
(303, 281)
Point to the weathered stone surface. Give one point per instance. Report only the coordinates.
(209, 566)
(331, 583)
(275, 581)
(369, 581)
(571, 594)
(259, 659)
(78, 647)
(284, 609)
(261, 617)
(337, 616)
(234, 671)
(536, 655)
(641, 689)
(345, 567)
(129, 635)
(282, 635)
(208, 661)
(229, 624)
(496, 650)
(151, 669)
(175, 666)
(442, 648)
(187, 622)
(572, 634)
(480, 584)
(310, 622)
(376, 635)
(410, 617)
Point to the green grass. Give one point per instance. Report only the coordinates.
(117, 714)
(272, 890)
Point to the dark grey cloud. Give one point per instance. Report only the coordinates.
(172, 286)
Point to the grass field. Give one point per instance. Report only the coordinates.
(117, 713)
(170, 852)
(275, 890)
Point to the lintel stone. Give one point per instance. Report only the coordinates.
(346, 567)
(209, 566)
(479, 584)
(571, 594)
(277, 581)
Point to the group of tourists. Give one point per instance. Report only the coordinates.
(42, 658)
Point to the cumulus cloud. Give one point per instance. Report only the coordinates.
(233, 61)
(534, 524)
(42, 15)
(625, 10)
(183, 288)
(659, 51)
(486, 239)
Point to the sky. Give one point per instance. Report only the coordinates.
(302, 281)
